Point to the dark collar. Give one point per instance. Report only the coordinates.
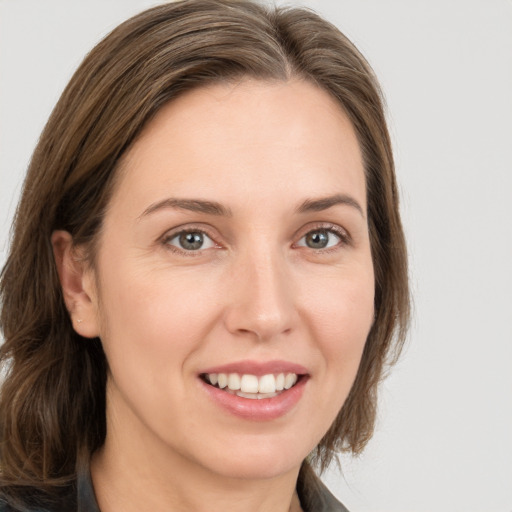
(314, 495)
(86, 500)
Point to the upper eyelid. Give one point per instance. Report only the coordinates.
(342, 232)
(172, 236)
(187, 228)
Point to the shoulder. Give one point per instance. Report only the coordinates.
(8, 505)
(5, 507)
(325, 501)
(314, 495)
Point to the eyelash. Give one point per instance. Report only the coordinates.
(169, 237)
(340, 233)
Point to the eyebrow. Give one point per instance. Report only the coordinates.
(215, 208)
(193, 205)
(324, 203)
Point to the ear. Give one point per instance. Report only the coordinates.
(78, 285)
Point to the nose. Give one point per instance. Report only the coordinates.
(262, 302)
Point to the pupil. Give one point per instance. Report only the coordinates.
(191, 241)
(317, 239)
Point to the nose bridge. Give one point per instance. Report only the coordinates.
(262, 302)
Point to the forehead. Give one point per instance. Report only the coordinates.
(251, 138)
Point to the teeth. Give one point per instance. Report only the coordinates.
(222, 380)
(250, 386)
(234, 381)
(255, 396)
(290, 380)
(267, 384)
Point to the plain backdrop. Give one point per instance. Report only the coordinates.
(444, 437)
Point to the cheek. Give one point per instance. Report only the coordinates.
(341, 315)
(343, 308)
(151, 329)
(157, 315)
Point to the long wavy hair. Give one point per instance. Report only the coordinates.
(52, 401)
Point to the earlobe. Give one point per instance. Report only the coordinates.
(77, 283)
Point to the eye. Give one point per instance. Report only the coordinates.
(191, 241)
(320, 239)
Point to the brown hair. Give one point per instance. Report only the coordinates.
(52, 404)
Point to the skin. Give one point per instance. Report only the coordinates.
(256, 291)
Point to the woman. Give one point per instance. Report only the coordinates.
(208, 273)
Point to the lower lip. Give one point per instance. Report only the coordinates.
(263, 409)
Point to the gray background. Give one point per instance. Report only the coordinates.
(444, 437)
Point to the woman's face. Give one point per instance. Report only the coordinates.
(235, 250)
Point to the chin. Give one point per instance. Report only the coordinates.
(257, 460)
(257, 469)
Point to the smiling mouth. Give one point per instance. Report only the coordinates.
(252, 386)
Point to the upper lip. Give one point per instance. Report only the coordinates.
(258, 368)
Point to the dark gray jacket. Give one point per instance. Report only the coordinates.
(313, 494)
